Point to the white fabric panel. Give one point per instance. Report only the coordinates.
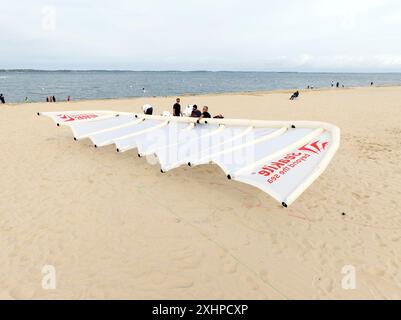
(105, 138)
(154, 139)
(154, 135)
(205, 154)
(284, 174)
(171, 155)
(68, 117)
(200, 147)
(85, 129)
(232, 161)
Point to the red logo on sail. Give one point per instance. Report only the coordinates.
(74, 117)
(278, 168)
(315, 147)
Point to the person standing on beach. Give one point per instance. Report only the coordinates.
(177, 108)
(69, 98)
(2, 99)
(54, 99)
(338, 85)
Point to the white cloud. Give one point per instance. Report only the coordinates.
(343, 35)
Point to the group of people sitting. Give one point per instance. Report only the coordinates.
(190, 111)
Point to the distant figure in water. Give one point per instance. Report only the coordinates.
(2, 99)
(295, 95)
(143, 91)
(147, 109)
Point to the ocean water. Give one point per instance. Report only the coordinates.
(83, 85)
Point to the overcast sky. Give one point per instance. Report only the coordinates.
(261, 35)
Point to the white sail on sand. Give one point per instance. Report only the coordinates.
(282, 158)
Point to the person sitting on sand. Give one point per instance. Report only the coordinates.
(195, 112)
(2, 99)
(205, 114)
(147, 109)
(295, 95)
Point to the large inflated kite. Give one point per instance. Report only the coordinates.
(281, 158)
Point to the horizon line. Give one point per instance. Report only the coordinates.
(189, 71)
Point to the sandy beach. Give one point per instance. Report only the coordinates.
(114, 227)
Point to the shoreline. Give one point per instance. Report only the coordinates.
(250, 93)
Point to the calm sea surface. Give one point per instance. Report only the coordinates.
(37, 85)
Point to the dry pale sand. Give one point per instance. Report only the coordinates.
(114, 227)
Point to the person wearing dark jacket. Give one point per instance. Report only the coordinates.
(205, 114)
(195, 112)
(295, 95)
(2, 99)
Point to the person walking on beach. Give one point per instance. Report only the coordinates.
(177, 108)
(2, 99)
(54, 99)
(338, 85)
